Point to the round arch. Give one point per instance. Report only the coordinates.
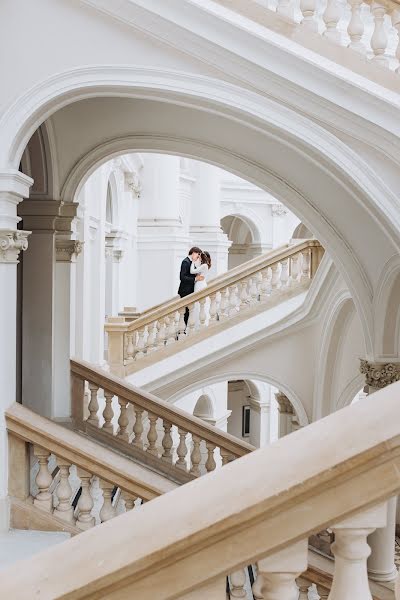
(387, 312)
(250, 218)
(280, 132)
(291, 394)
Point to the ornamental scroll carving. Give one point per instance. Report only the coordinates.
(11, 244)
(379, 375)
(68, 250)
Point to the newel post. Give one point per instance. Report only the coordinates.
(77, 399)
(115, 335)
(18, 468)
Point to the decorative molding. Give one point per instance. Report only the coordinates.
(379, 375)
(284, 404)
(11, 244)
(68, 250)
(278, 210)
(133, 183)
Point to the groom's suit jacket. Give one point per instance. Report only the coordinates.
(187, 279)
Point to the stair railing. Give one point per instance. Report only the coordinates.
(145, 427)
(256, 510)
(265, 279)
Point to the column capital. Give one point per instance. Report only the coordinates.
(67, 250)
(379, 375)
(278, 210)
(284, 404)
(11, 243)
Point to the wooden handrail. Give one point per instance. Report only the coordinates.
(248, 510)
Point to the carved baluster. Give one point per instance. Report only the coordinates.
(233, 300)
(107, 511)
(257, 587)
(244, 296)
(355, 28)
(213, 308)
(161, 334)
(275, 278)
(195, 456)
(171, 332)
(108, 412)
(152, 435)
(123, 420)
(308, 8)
(253, 292)
(280, 570)
(294, 269)
(93, 406)
(191, 326)
(182, 324)
(224, 305)
(259, 284)
(140, 344)
(284, 277)
(226, 456)
(396, 24)
(167, 442)
(130, 347)
(43, 499)
(379, 39)
(265, 287)
(85, 503)
(138, 428)
(210, 462)
(64, 509)
(303, 585)
(203, 312)
(305, 265)
(237, 584)
(129, 500)
(182, 449)
(286, 8)
(332, 15)
(152, 339)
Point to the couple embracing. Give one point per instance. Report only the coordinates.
(194, 273)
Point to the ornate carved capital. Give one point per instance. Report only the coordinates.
(284, 404)
(278, 210)
(11, 244)
(68, 250)
(133, 183)
(379, 375)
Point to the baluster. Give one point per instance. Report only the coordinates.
(191, 326)
(224, 304)
(108, 412)
(305, 266)
(237, 584)
(161, 334)
(244, 296)
(195, 456)
(93, 406)
(123, 420)
(210, 462)
(138, 428)
(308, 8)
(253, 292)
(64, 509)
(265, 274)
(213, 308)
(303, 585)
(396, 24)
(152, 339)
(355, 28)
(85, 503)
(285, 8)
(233, 300)
(182, 449)
(44, 479)
(323, 593)
(284, 272)
(107, 511)
(351, 551)
(140, 343)
(257, 587)
(379, 39)
(182, 324)
(332, 14)
(203, 312)
(259, 284)
(171, 332)
(130, 348)
(226, 456)
(152, 434)
(129, 500)
(280, 571)
(275, 278)
(294, 268)
(167, 442)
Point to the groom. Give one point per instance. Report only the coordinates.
(186, 286)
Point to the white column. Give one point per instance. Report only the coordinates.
(260, 412)
(161, 243)
(205, 228)
(14, 186)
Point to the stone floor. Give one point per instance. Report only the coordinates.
(18, 544)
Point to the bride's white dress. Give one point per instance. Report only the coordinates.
(200, 269)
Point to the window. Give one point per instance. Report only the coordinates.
(246, 420)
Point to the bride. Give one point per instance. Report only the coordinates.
(201, 267)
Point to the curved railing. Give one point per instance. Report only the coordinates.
(257, 281)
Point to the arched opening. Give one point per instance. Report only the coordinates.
(245, 245)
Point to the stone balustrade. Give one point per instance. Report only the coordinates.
(60, 480)
(264, 280)
(147, 428)
(258, 510)
(369, 28)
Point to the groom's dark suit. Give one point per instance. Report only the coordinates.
(186, 286)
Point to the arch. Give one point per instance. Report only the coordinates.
(38, 162)
(302, 232)
(387, 311)
(349, 392)
(334, 161)
(248, 376)
(249, 217)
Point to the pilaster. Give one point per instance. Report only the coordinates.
(286, 414)
(259, 422)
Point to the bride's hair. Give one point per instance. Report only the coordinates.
(205, 258)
